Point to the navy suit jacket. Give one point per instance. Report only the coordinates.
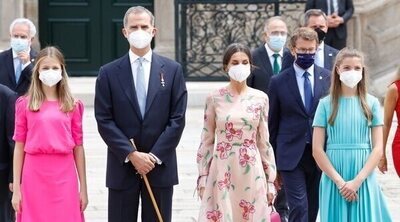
(119, 119)
(7, 73)
(329, 58)
(288, 120)
(345, 10)
(7, 107)
(262, 71)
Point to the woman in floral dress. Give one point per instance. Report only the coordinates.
(235, 159)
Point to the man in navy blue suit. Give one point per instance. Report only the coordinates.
(141, 96)
(339, 12)
(16, 63)
(294, 95)
(7, 103)
(325, 54)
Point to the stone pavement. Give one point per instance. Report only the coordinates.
(186, 204)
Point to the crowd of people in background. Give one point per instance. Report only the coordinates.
(295, 128)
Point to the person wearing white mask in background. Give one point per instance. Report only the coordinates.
(267, 58)
(140, 97)
(348, 144)
(235, 159)
(16, 63)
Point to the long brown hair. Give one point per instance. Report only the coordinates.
(35, 92)
(336, 84)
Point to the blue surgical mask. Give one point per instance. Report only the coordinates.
(305, 60)
(19, 45)
(276, 42)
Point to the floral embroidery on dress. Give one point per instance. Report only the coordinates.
(248, 209)
(255, 109)
(226, 182)
(214, 216)
(245, 158)
(223, 148)
(231, 132)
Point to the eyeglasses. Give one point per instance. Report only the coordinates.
(307, 51)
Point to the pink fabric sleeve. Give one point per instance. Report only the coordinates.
(206, 148)
(76, 124)
(21, 127)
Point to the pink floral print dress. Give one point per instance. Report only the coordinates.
(235, 159)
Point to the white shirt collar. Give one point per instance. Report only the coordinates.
(299, 71)
(133, 57)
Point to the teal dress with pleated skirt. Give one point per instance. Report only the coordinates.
(348, 148)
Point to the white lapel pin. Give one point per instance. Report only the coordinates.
(320, 77)
(330, 54)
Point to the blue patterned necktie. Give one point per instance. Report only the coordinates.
(140, 86)
(18, 70)
(308, 97)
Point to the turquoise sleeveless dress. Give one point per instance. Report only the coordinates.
(348, 148)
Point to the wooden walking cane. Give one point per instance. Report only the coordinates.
(146, 181)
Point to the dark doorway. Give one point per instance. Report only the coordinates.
(87, 31)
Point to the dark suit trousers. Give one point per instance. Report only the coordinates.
(302, 187)
(6, 210)
(123, 204)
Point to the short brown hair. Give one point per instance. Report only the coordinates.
(303, 33)
(314, 12)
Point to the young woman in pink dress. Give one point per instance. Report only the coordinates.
(49, 156)
(235, 159)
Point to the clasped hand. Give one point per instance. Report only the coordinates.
(143, 162)
(348, 190)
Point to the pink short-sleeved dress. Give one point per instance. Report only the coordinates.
(49, 181)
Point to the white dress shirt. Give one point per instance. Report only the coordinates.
(319, 55)
(16, 62)
(146, 67)
(300, 79)
(271, 56)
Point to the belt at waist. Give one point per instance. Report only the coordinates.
(346, 146)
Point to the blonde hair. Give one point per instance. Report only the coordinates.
(335, 90)
(35, 92)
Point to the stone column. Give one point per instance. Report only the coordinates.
(164, 13)
(31, 11)
(9, 10)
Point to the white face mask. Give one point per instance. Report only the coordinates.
(239, 72)
(50, 77)
(350, 78)
(19, 45)
(140, 39)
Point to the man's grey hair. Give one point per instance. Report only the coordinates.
(313, 12)
(138, 10)
(25, 21)
(271, 19)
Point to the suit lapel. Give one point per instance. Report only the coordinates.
(10, 67)
(266, 63)
(294, 88)
(156, 72)
(125, 77)
(328, 58)
(319, 87)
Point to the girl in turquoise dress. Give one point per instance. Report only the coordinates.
(349, 122)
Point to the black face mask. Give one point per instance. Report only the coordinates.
(321, 35)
